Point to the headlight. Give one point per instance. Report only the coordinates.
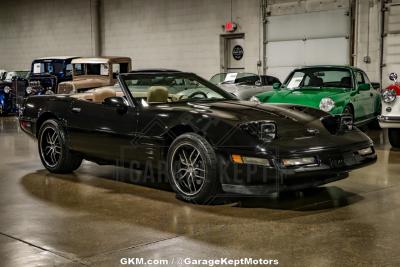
(28, 90)
(326, 104)
(299, 162)
(389, 96)
(263, 130)
(255, 99)
(366, 151)
(7, 89)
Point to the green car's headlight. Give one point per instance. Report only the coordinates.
(255, 99)
(326, 104)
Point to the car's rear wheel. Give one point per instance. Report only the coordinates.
(54, 154)
(394, 137)
(192, 169)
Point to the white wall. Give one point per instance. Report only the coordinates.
(178, 34)
(368, 44)
(30, 29)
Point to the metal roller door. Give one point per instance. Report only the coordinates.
(295, 40)
(391, 41)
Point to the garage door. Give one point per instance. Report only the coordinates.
(307, 39)
(391, 41)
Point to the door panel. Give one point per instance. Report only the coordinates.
(363, 98)
(234, 54)
(295, 40)
(391, 41)
(100, 131)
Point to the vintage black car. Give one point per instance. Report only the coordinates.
(202, 137)
(8, 87)
(47, 73)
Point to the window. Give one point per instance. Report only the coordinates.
(79, 69)
(172, 88)
(365, 78)
(359, 78)
(119, 68)
(97, 69)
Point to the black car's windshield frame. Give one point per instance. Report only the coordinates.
(123, 77)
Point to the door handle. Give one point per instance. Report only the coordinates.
(76, 110)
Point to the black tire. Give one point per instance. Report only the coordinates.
(375, 124)
(348, 110)
(394, 137)
(54, 154)
(193, 159)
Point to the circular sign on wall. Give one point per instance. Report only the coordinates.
(237, 52)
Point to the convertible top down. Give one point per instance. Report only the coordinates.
(202, 137)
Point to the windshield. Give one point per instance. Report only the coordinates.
(91, 69)
(48, 66)
(231, 78)
(319, 77)
(176, 87)
(10, 75)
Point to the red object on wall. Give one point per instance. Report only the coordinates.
(394, 87)
(230, 26)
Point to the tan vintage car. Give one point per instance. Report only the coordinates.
(94, 72)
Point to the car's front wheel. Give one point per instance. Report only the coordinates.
(54, 154)
(394, 137)
(192, 169)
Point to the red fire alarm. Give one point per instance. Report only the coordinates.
(230, 26)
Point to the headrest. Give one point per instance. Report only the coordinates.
(157, 94)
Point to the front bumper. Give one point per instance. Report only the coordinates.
(333, 165)
(389, 121)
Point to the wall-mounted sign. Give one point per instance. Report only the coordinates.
(237, 52)
(230, 26)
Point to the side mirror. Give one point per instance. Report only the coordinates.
(364, 87)
(393, 76)
(258, 83)
(116, 102)
(276, 86)
(376, 86)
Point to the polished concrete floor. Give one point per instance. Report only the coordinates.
(89, 218)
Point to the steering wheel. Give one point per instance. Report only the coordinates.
(204, 95)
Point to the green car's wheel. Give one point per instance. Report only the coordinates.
(348, 110)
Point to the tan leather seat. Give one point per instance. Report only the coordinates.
(157, 94)
(102, 93)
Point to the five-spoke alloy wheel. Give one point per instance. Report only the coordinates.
(53, 151)
(50, 146)
(188, 169)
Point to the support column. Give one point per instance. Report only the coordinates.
(95, 27)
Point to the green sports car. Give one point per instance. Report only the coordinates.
(334, 89)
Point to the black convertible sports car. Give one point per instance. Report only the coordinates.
(202, 137)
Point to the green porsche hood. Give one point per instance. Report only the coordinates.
(308, 96)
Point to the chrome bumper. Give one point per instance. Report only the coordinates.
(389, 119)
